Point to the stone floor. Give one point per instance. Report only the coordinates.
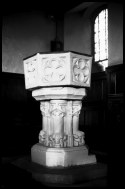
(20, 172)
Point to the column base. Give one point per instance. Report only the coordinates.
(61, 157)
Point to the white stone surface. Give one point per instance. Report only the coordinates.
(57, 69)
(61, 123)
(65, 157)
(58, 81)
(59, 93)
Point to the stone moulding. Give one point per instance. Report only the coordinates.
(58, 82)
(59, 93)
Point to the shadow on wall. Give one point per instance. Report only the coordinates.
(21, 117)
(24, 34)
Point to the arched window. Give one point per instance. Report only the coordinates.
(101, 38)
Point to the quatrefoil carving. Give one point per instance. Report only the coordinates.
(81, 70)
(54, 70)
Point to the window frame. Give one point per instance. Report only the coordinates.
(93, 17)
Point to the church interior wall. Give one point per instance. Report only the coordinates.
(26, 34)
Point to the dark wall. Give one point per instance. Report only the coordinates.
(115, 33)
(115, 109)
(94, 112)
(24, 34)
(21, 118)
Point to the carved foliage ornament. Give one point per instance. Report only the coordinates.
(44, 107)
(57, 140)
(54, 70)
(30, 70)
(81, 70)
(77, 109)
(58, 109)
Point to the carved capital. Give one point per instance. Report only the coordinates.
(69, 109)
(45, 108)
(77, 105)
(58, 108)
(54, 70)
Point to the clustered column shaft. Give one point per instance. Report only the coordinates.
(60, 123)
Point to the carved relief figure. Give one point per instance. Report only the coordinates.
(57, 140)
(79, 138)
(42, 137)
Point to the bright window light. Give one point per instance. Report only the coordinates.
(101, 38)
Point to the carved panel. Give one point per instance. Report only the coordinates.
(53, 70)
(81, 70)
(30, 70)
(58, 69)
